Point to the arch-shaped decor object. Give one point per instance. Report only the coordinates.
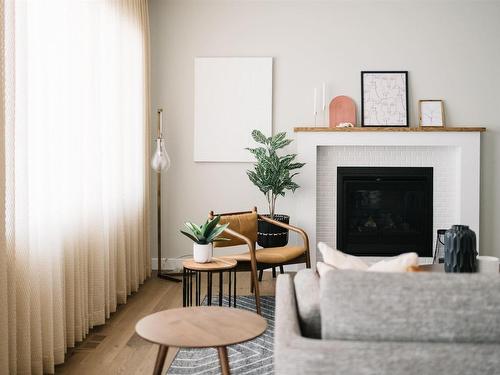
(342, 109)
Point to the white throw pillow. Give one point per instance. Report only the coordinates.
(399, 263)
(323, 268)
(336, 259)
(340, 260)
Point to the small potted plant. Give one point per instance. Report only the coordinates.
(203, 237)
(273, 175)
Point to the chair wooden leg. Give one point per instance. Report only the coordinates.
(274, 272)
(256, 286)
(160, 359)
(261, 272)
(282, 271)
(223, 359)
(308, 259)
(251, 284)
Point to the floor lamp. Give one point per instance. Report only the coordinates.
(160, 162)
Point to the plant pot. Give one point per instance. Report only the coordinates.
(270, 235)
(460, 253)
(202, 253)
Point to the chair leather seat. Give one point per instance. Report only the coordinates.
(270, 255)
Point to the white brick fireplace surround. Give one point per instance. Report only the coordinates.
(454, 156)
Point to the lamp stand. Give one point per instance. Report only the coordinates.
(160, 274)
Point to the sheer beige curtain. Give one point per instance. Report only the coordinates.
(4, 321)
(75, 106)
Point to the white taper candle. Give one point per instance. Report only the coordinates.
(324, 96)
(315, 100)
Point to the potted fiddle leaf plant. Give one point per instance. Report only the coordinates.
(203, 237)
(273, 175)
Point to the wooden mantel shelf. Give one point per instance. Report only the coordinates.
(390, 129)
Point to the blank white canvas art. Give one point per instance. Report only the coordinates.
(232, 97)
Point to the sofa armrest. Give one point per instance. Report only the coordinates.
(287, 320)
(294, 353)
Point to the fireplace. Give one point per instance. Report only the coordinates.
(384, 211)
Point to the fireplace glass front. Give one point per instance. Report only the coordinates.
(384, 211)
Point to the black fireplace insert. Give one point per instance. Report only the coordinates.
(384, 211)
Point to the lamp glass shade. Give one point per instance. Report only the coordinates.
(160, 160)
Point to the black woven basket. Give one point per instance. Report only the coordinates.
(270, 235)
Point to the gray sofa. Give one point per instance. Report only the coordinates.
(352, 322)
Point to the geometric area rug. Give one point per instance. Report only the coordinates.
(249, 358)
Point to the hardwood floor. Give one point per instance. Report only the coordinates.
(114, 348)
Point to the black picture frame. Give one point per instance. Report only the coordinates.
(363, 105)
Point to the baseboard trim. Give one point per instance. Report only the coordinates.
(168, 264)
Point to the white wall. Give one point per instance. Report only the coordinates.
(451, 50)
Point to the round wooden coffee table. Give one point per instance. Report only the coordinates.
(200, 327)
(216, 265)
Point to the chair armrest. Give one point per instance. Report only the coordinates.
(293, 228)
(253, 261)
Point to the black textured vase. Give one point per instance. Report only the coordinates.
(460, 249)
(270, 235)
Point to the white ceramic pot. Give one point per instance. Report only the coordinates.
(202, 253)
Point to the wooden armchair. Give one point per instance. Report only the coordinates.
(242, 230)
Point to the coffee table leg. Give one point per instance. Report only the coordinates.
(223, 359)
(160, 359)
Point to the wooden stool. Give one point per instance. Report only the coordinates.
(200, 327)
(217, 265)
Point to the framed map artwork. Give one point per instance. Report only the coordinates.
(384, 98)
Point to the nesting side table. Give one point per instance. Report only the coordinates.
(216, 265)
